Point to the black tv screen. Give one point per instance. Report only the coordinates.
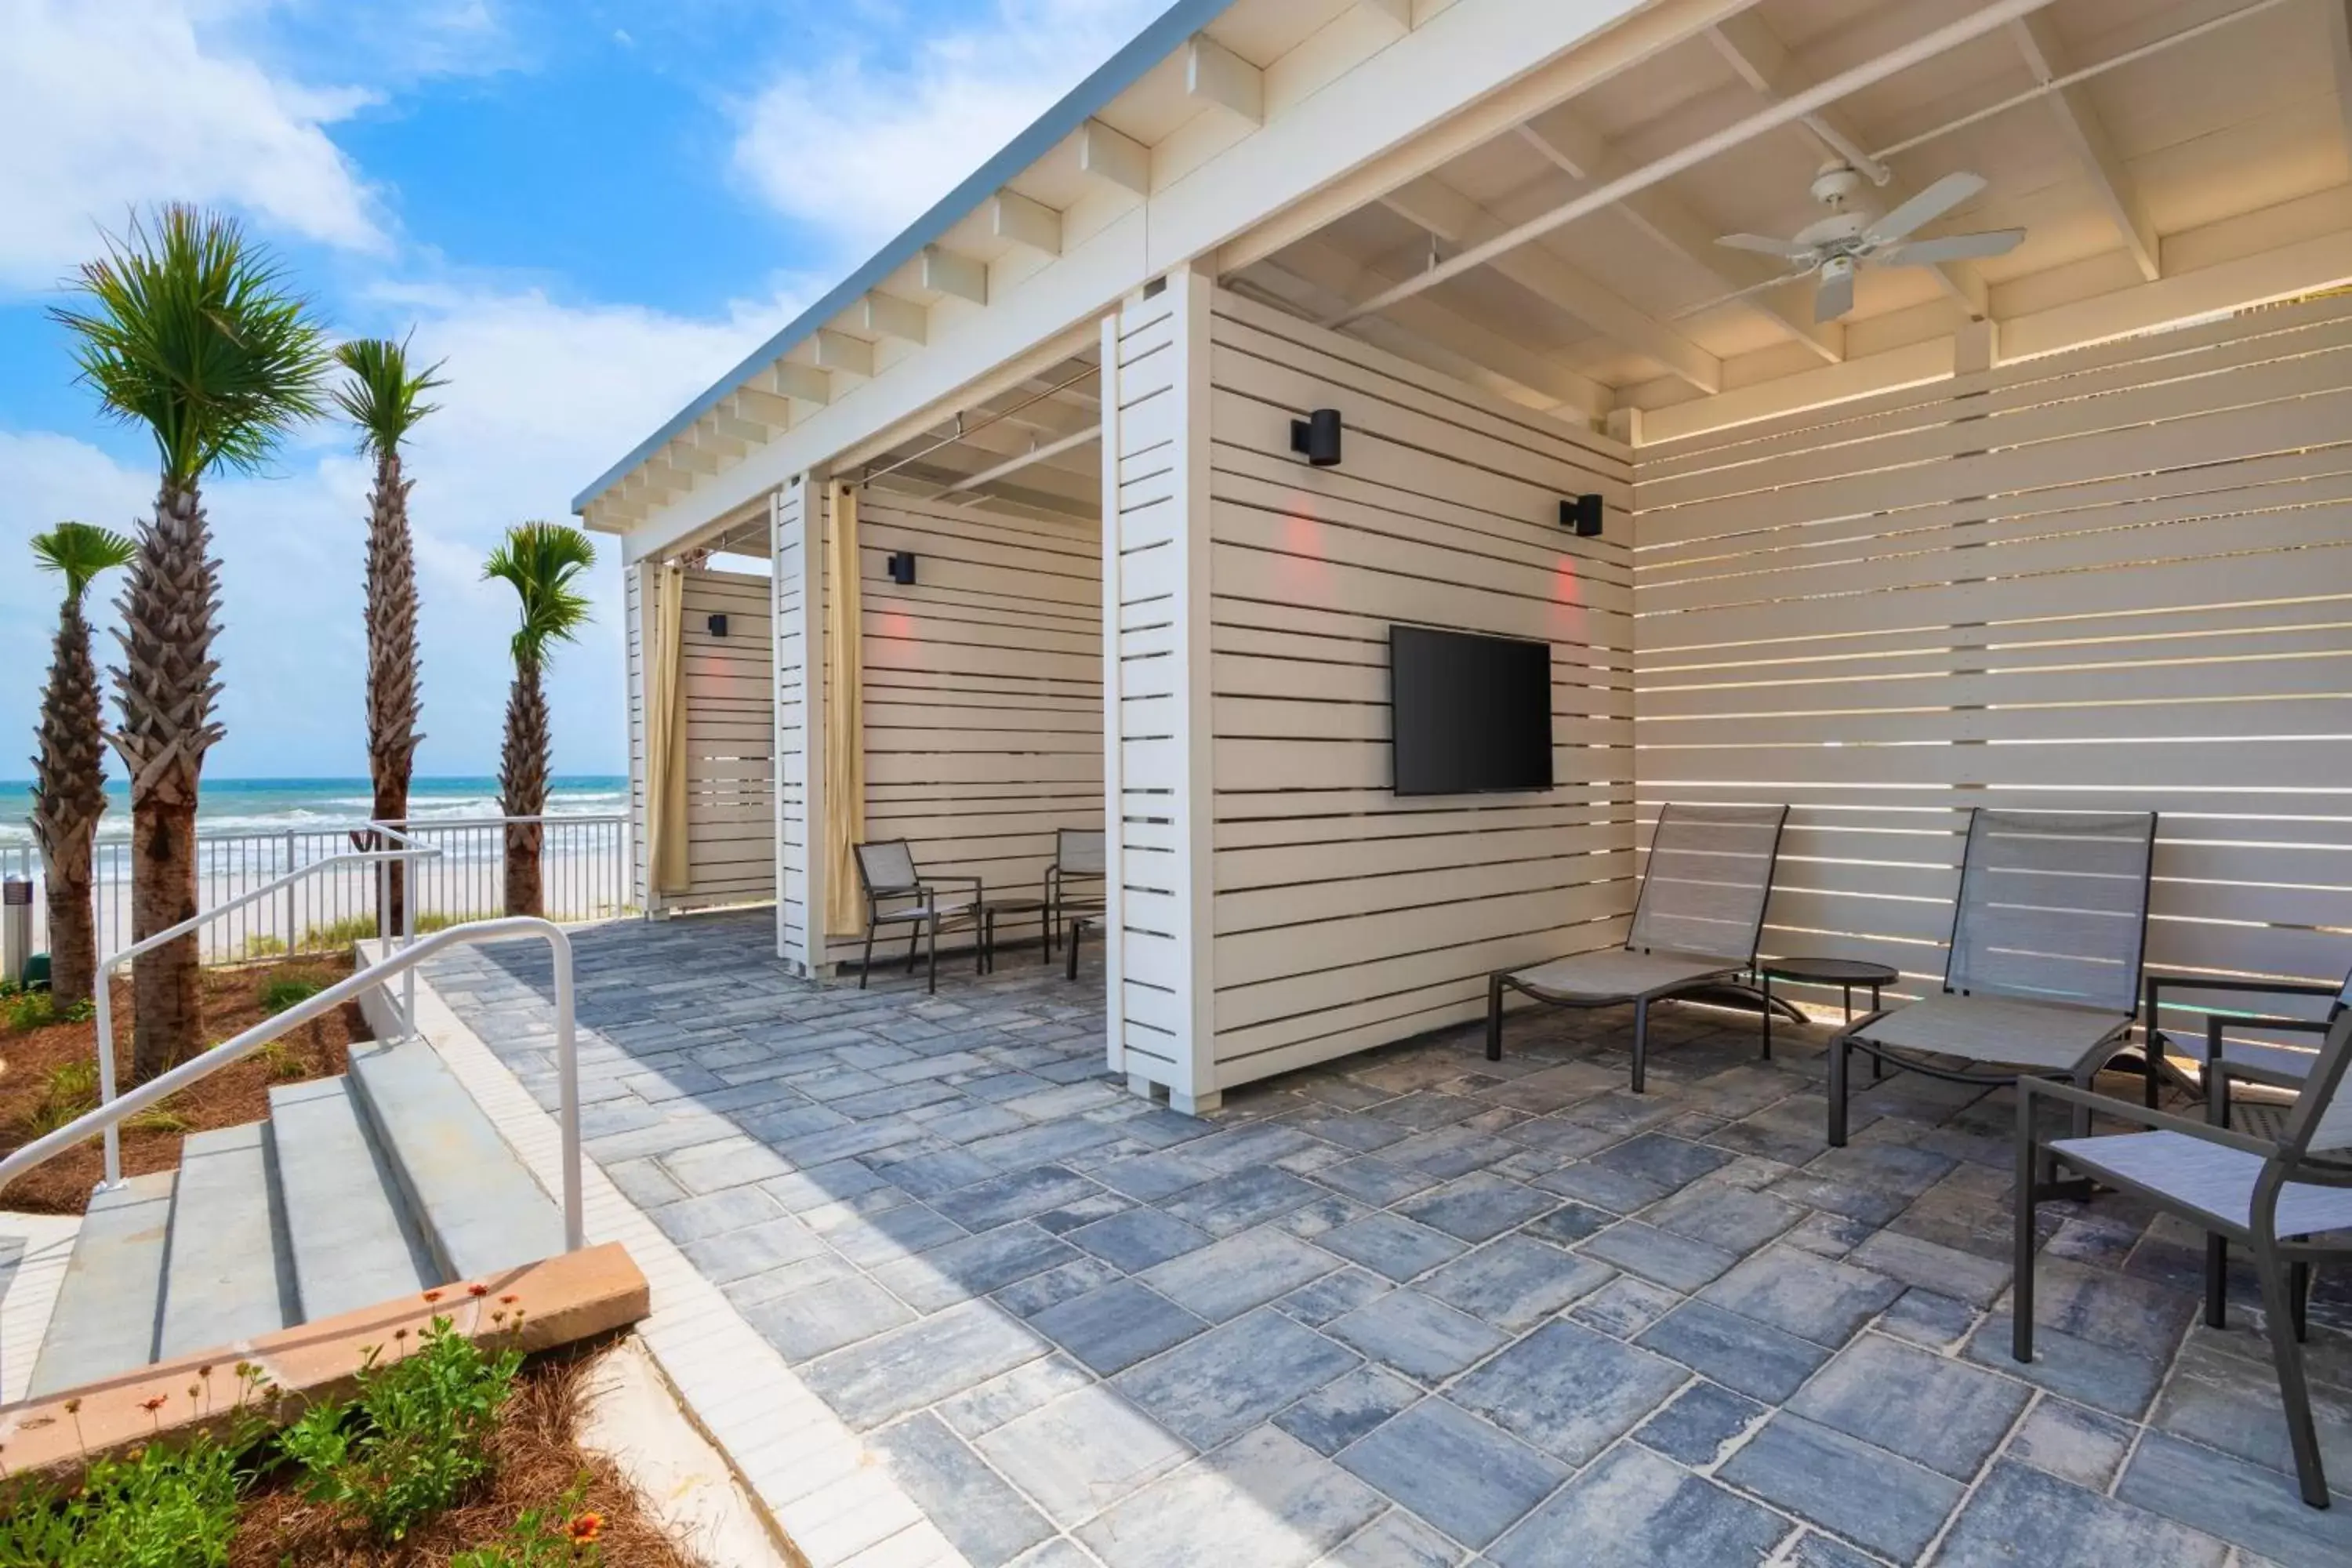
(1471, 715)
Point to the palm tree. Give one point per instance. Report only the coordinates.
(69, 773)
(385, 399)
(185, 328)
(543, 560)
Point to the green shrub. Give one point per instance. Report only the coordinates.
(160, 1507)
(560, 1537)
(280, 992)
(68, 1089)
(29, 1010)
(415, 1438)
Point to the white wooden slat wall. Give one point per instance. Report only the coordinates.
(729, 742)
(794, 615)
(1345, 916)
(983, 688)
(634, 600)
(1155, 450)
(2115, 578)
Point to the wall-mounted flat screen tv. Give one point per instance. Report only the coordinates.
(1471, 715)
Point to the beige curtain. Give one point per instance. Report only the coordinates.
(665, 734)
(844, 719)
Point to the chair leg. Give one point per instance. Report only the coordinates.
(2298, 1295)
(1076, 932)
(1840, 1049)
(2293, 1392)
(914, 944)
(866, 965)
(2217, 1281)
(1493, 1017)
(932, 984)
(2021, 1295)
(1640, 1046)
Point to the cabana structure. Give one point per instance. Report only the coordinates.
(1906, 517)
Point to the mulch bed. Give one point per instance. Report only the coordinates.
(229, 1097)
(539, 1460)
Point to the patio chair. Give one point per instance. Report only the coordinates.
(2273, 1196)
(2042, 976)
(2181, 1053)
(1080, 855)
(887, 872)
(1696, 924)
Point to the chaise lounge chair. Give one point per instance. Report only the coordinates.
(2042, 979)
(1695, 924)
(2271, 1195)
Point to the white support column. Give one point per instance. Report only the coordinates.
(637, 596)
(1114, 922)
(797, 524)
(1157, 725)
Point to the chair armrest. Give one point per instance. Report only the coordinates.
(2031, 1088)
(2274, 987)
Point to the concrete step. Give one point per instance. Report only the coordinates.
(353, 1241)
(104, 1319)
(478, 1209)
(228, 1272)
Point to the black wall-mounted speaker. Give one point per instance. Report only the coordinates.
(1316, 437)
(1581, 513)
(719, 625)
(902, 568)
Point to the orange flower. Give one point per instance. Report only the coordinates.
(586, 1527)
(478, 1291)
(508, 1300)
(431, 1295)
(152, 1406)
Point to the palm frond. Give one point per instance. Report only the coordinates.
(382, 395)
(542, 563)
(78, 551)
(187, 327)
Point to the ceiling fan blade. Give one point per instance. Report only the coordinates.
(1834, 298)
(1951, 248)
(1767, 285)
(1925, 207)
(1786, 249)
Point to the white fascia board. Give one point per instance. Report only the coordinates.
(1449, 66)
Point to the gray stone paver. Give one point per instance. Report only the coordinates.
(1411, 1306)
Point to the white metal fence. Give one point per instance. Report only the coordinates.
(584, 872)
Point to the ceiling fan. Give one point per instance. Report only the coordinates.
(1852, 237)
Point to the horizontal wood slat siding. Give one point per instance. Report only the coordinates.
(2120, 578)
(1344, 916)
(983, 687)
(793, 614)
(634, 610)
(731, 844)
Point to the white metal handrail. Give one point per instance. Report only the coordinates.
(107, 1117)
(102, 988)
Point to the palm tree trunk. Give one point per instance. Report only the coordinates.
(164, 686)
(392, 657)
(69, 796)
(522, 787)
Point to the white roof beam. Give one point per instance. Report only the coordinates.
(1749, 47)
(1454, 217)
(1397, 13)
(685, 453)
(888, 316)
(709, 435)
(2339, 53)
(767, 407)
(951, 272)
(1578, 151)
(801, 382)
(839, 351)
(1213, 74)
(1015, 218)
(735, 427)
(1114, 159)
(1314, 278)
(2086, 134)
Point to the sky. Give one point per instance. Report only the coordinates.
(588, 210)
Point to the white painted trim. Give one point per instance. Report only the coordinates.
(817, 896)
(1114, 782)
(1196, 835)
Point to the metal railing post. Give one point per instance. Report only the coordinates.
(102, 995)
(292, 934)
(567, 1074)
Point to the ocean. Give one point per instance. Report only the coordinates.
(263, 805)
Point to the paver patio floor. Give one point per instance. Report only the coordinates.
(1414, 1308)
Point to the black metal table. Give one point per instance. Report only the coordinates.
(985, 913)
(1843, 973)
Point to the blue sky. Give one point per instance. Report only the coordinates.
(589, 209)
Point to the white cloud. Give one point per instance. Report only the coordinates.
(542, 395)
(110, 106)
(857, 145)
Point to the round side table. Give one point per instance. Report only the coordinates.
(1843, 973)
